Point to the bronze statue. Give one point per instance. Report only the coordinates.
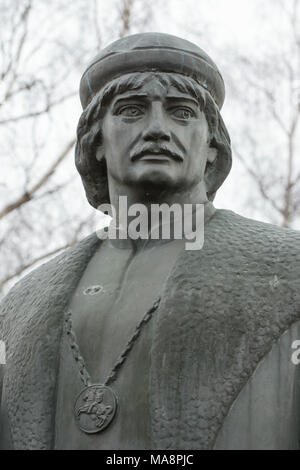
(134, 344)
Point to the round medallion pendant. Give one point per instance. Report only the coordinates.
(95, 408)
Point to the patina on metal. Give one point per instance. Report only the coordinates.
(213, 368)
(95, 408)
(96, 405)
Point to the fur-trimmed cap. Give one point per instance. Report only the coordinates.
(151, 52)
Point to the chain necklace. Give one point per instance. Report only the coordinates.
(96, 405)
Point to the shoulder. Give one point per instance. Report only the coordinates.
(52, 278)
(232, 220)
(252, 245)
(254, 232)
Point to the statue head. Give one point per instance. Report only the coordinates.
(151, 96)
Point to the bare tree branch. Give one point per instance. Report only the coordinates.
(46, 255)
(34, 114)
(96, 24)
(34, 261)
(259, 181)
(28, 195)
(23, 22)
(126, 17)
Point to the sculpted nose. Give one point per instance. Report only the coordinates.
(157, 128)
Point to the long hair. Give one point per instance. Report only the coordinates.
(89, 133)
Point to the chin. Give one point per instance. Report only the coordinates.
(155, 179)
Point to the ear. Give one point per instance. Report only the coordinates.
(211, 154)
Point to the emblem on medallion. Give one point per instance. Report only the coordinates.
(95, 408)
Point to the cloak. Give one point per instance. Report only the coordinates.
(222, 310)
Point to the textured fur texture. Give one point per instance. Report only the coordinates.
(32, 329)
(222, 310)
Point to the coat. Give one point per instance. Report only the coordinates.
(223, 309)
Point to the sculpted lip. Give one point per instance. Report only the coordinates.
(154, 158)
(156, 154)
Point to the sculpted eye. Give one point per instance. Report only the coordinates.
(183, 113)
(131, 111)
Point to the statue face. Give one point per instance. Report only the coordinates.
(155, 136)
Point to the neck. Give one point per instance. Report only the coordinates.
(140, 208)
(154, 195)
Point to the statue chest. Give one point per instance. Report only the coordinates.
(117, 288)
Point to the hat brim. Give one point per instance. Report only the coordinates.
(163, 59)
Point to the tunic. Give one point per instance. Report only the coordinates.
(104, 321)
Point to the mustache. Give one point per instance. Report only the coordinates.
(158, 149)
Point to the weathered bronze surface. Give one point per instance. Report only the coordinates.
(95, 408)
(213, 369)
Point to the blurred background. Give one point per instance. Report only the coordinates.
(44, 48)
